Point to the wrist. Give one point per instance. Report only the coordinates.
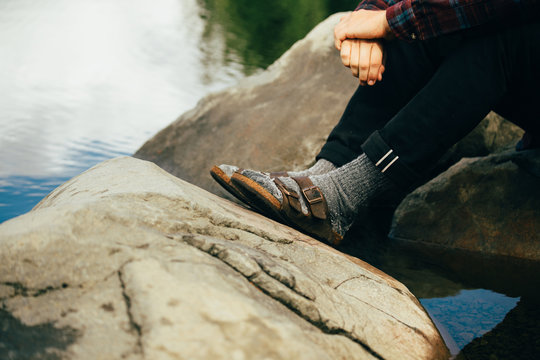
(386, 30)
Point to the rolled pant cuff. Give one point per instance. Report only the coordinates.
(386, 160)
(337, 154)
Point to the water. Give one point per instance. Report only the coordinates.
(82, 81)
(485, 307)
(469, 314)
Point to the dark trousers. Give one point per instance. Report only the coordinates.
(434, 93)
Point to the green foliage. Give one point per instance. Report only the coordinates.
(256, 33)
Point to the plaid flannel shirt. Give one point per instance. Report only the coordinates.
(425, 19)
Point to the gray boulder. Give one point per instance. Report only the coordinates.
(493, 134)
(276, 120)
(127, 261)
(489, 205)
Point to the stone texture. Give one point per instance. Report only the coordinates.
(127, 261)
(492, 135)
(278, 119)
(489, 205)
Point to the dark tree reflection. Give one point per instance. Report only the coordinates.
(256, 33)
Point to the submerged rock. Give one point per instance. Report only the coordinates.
(127, 261)
(489, 205)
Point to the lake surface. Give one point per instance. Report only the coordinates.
(82, 81)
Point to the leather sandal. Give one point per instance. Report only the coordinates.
(315, 222)
(225, 181)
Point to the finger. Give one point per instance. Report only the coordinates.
(337, 44)
(355, 52)
(337, 36)
(340, 31)
(346, 53)
(375, 64)
(364, 59)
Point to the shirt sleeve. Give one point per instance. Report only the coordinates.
(425, 19)
(375, 4)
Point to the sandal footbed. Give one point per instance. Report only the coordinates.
(258, 196)
(225, 181)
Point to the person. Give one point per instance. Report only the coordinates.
(429, 72)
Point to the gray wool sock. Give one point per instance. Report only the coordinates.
(322, 166)
(345, 190)
(348, 188)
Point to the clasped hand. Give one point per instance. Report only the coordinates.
(365, 58)
(359, 36)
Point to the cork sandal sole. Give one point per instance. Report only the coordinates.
(225, 182)
(258, 196)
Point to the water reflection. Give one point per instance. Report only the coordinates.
(470, 314)
(492, 300)
(74, 71)
(83, 81)
(258, 32)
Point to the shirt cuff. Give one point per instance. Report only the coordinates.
(373, 5)
(402, 20)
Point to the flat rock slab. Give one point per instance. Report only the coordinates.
(127, 261)
(489, 205)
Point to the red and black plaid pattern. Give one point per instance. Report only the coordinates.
(425, 19)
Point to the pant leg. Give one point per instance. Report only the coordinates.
(409, 67)
(471, 81)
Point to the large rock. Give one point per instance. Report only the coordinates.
(493, 134)
(127, 261)
(276, 120)
(489, 205)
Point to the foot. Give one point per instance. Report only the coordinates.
(322, 166)
(223, 173)
(342, 191)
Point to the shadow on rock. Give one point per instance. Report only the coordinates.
(19, 341)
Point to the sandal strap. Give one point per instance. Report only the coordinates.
(291, 196)
(313, 196)
(316, 221)
(279, 174)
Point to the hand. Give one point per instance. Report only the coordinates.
(362, 24)
(365, 58)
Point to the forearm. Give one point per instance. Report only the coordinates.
(425, 19)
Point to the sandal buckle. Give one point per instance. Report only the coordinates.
(313, 194)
